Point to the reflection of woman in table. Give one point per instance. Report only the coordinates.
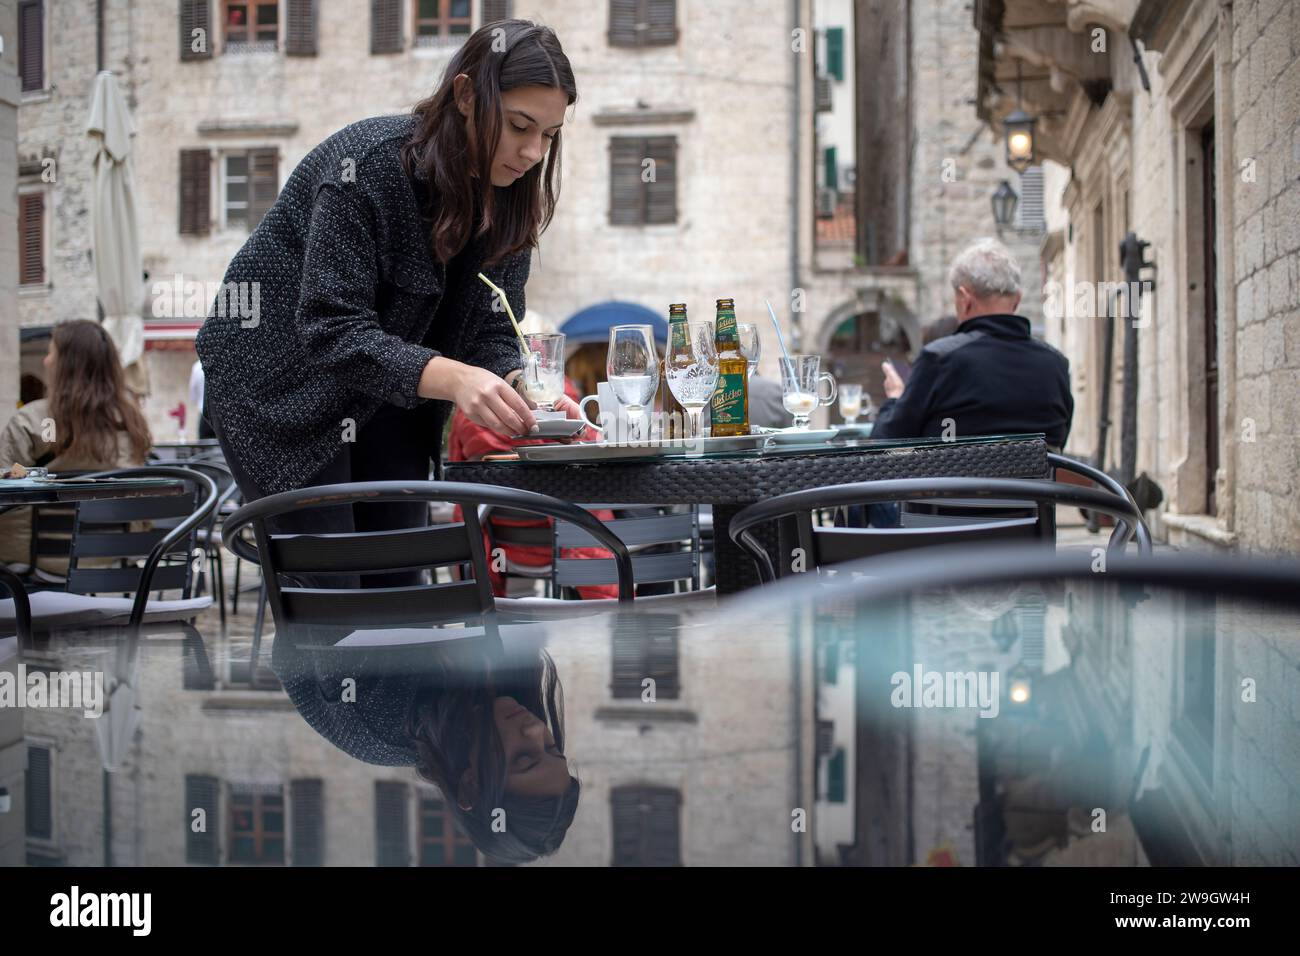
(370, 316)
(484, 725)
(88, 421)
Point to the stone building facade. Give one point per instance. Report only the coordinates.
(1195, 153)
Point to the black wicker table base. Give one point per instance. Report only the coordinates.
(730, 484)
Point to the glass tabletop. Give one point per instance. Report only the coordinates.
(786, 449)
(1054, 716)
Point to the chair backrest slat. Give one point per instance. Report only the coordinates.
(836, 545)
(646, 569)
(118, 510)
(383, 607)
(166, 577)
(370, 550)
(536, 536)
(634, 532)
(121, 544)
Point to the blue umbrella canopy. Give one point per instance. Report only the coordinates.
(593, 323)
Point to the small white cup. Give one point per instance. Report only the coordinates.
(611, 420)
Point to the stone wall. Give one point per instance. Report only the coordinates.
(957, 162)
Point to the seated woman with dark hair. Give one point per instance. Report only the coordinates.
(88, 421)
(485, 725)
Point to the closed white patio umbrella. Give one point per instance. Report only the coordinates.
(118, 271)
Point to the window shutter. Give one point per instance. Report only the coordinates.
(385, 26)
(1029, 212)
(300, 31)
(392, 831)
(196, 670)
(646, 826)
(835, 52)
(831, 157)
(622, 23)
(196, 187)
(31, 45)
(263, 184)
(494, 10)
(626, 197)
(31, 239)
(40, 815)
(835, 777)
(196, 15)
(307, 806)
(201, 793)
(661, 662)
(661, 22)
(661, 195)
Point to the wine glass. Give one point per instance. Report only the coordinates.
(543, 373)
(801, 382)
(750, 346)
(850, 403)
(632, 367)
(691, 367)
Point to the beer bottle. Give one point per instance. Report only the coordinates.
(730, 407)
(674, 415)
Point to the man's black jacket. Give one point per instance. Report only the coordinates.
(990, 377)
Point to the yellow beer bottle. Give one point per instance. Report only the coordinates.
(729, 410)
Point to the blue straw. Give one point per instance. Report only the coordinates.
(777, 325)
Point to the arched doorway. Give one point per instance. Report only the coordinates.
(854, 341)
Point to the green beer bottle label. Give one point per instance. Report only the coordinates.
(729, 397)
(725, 328)
(728, 406)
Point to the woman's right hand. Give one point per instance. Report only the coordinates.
(485, 398)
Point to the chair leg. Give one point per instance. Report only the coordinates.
(219, 581)
(257, 630)
(234, 596)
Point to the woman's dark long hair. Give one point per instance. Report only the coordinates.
(89, 401)
(497, 58)
(452, 728)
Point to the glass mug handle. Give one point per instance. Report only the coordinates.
(826, 377)
(582, 410)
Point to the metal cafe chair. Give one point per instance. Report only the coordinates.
(209, 535)
(299, 568)
(102, 532)
(824, 546)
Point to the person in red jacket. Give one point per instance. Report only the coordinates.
(470, 442)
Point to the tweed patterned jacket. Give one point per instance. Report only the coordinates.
(324, 312)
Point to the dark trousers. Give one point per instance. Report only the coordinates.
(396, 444)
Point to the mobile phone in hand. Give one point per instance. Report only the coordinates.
(901, 367)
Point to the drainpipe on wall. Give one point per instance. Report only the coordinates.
(796, 146)
(796, 677)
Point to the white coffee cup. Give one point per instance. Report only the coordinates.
(611, 419)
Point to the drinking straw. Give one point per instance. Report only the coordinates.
(780, 340)
(523, 343)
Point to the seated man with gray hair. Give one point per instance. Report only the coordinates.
(990, 377)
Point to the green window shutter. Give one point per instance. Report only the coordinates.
(392, 830)
(835, 777)
(307, 807)
(40, 799)
(835, 52)
(832, 168)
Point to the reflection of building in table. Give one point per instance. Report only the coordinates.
(703, 775)
(272, 791)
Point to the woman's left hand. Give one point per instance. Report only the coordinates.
(568, 406)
